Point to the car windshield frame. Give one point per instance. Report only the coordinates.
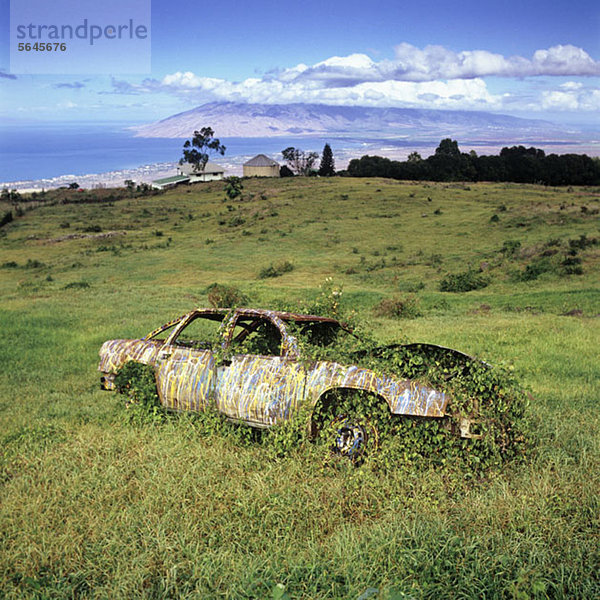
(290, 325)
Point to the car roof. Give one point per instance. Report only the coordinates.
(260, 312)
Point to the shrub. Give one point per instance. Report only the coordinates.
(534, 269)
(571, 265)
(225, 296)
(327, 302)
(11, 264)
(398, 307)
(463, 282)
(510, 247)
(76, 285)
(236, 221)
(582, 243)
(233, 187)
(6, 218)
(34, 264)
(137, 383)
(276, 270)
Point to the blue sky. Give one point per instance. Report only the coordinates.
(527, 58)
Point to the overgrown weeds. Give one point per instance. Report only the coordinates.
(463, 282)
(486, 400)
(276, 270)
(399, 307)
(226, 296)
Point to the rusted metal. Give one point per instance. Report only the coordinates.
(260, 390)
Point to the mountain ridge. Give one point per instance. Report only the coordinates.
(234, 119)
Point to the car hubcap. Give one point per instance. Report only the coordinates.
(350, 438)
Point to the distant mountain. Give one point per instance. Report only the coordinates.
(232, 119)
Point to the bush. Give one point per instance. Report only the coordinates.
(463, 282)
(276, 270)
(77, 285)
(327, 302)
(571, 265)
(34, 264)
(233, 187)
(510, 247)
(6, 218)
(236, 221)
(225, 296)
(582, 243)
(137, 383)
(398, 307)
(534, 269)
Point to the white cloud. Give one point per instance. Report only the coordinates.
(571, 85)
(572, 99)
(436, 62)
(456, 93)
(564, 60)
(432, 77)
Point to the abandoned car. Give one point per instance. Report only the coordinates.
(249, 363)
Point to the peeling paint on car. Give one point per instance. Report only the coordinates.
(256, 389)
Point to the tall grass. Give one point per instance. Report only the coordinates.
(96, 506)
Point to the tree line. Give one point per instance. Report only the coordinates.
(300, 162)
(515, 164)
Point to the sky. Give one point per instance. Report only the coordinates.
(529, 58)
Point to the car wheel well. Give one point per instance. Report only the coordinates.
(350, 422)
(333, 397)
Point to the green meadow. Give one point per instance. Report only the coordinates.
(94, 505)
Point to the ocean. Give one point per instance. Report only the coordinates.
(43, 155)
(47, 151)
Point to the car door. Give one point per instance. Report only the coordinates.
(186, 368)
(258, 381)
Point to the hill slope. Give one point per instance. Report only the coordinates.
(232, 119)
(96, 504)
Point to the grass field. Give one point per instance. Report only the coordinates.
(94, 506)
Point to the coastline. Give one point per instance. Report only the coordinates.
(233, 165)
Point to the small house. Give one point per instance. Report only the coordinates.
(169, 182)
(261, 166)
(211, 172)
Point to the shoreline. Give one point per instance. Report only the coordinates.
(233, 165)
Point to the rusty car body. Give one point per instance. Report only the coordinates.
(261, 387)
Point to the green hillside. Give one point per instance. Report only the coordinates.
(94, 506)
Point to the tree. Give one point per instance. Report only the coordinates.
(414, 157)
(448, 147)
(300, 162)
(446, 162)
(370, 166)
(523, 165)
(327, 166)
(201, 144)
(233, 187)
